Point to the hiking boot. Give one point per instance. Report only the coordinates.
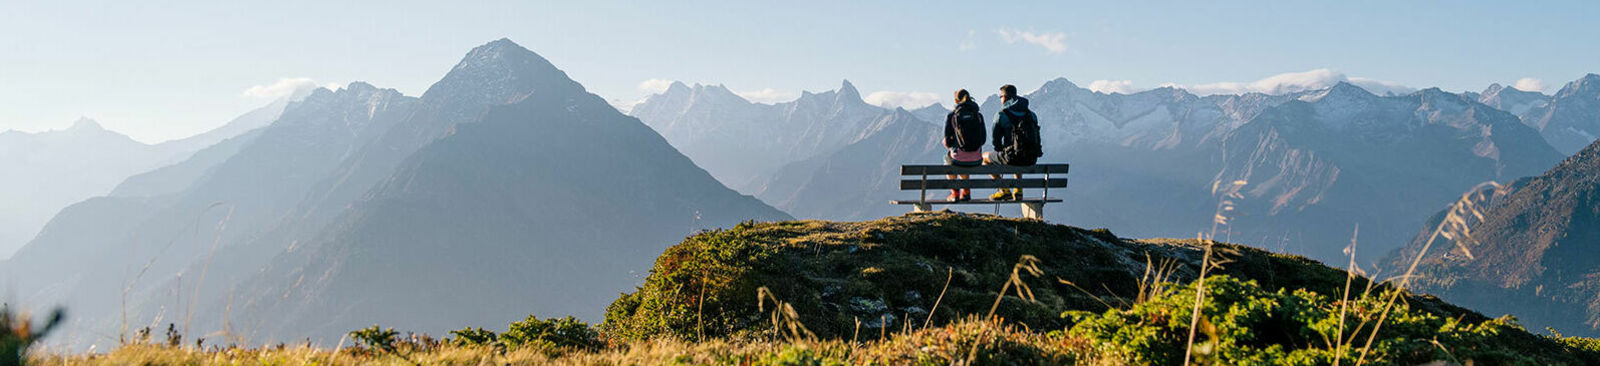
(955, 195)
(966, 195)
(1001, 195)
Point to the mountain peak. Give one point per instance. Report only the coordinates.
(1059, 83)
(848, 90)
(677, 87)
(501, 52)
(86, 124)
(1341, 90)
(1493, 88)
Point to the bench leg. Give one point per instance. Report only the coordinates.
(921, 207)
(1033, 210)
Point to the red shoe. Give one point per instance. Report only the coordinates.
(966, 195)
(955, 196)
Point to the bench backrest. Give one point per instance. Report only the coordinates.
(925, 177)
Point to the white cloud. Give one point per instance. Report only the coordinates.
(1292, 82)
(1055, 42)
(969, 43)
(1529, 84)
(1113, 86)
(285, 87)
(654, 86)
(624, 105)
(768, 95)
(907, 100)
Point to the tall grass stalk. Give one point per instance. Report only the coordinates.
(1456, 226)
(950, 273)
(1350, 276)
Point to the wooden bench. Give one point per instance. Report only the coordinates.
(923, 178)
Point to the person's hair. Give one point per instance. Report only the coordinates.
(962, 96)
(1008, 91)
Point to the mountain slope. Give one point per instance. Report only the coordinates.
(471, 209)
(1316, 167)
(1534, 254)
(857, 181)
(548, 204)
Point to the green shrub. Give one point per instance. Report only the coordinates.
(376, 338)
(17, 333)
(474, 337)
(1243, 324)
(565, 332)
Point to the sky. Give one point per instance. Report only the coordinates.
(159, 70)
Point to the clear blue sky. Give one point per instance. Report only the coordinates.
(158, 70)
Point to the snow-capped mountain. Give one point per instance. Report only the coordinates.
(1571, 118)
(738, 141)
(1145, 163)
(1315, 167)
(1517, 102)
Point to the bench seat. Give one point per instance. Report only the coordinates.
(923, 178)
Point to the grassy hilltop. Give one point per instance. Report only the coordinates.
(920, 289)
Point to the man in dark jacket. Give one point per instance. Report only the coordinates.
(1015, 110)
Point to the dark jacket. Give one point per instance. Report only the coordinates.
(1015, 108)
(971, 133)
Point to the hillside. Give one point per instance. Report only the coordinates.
(859, 293)
(855, 280)
(1534, 253)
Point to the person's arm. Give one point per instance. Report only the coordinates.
(1001, 129)
(949, 132)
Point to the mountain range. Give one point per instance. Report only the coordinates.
(1313, 163)
(46, 171)
(497, 192)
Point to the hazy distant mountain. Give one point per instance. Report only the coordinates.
(934, 113)
(47, 171)
(857, 181)
(739, 141)
(1535, 254)
(86, 257)
(1570, 120)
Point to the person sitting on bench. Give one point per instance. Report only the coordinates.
(963, 136)
(1016, 139)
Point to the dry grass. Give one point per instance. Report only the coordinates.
(967, 342)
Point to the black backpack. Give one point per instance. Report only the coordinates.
(1025, 141)
(968, 120)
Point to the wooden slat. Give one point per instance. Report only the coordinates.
(917, 184)
(983, 169)
(975, 201)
